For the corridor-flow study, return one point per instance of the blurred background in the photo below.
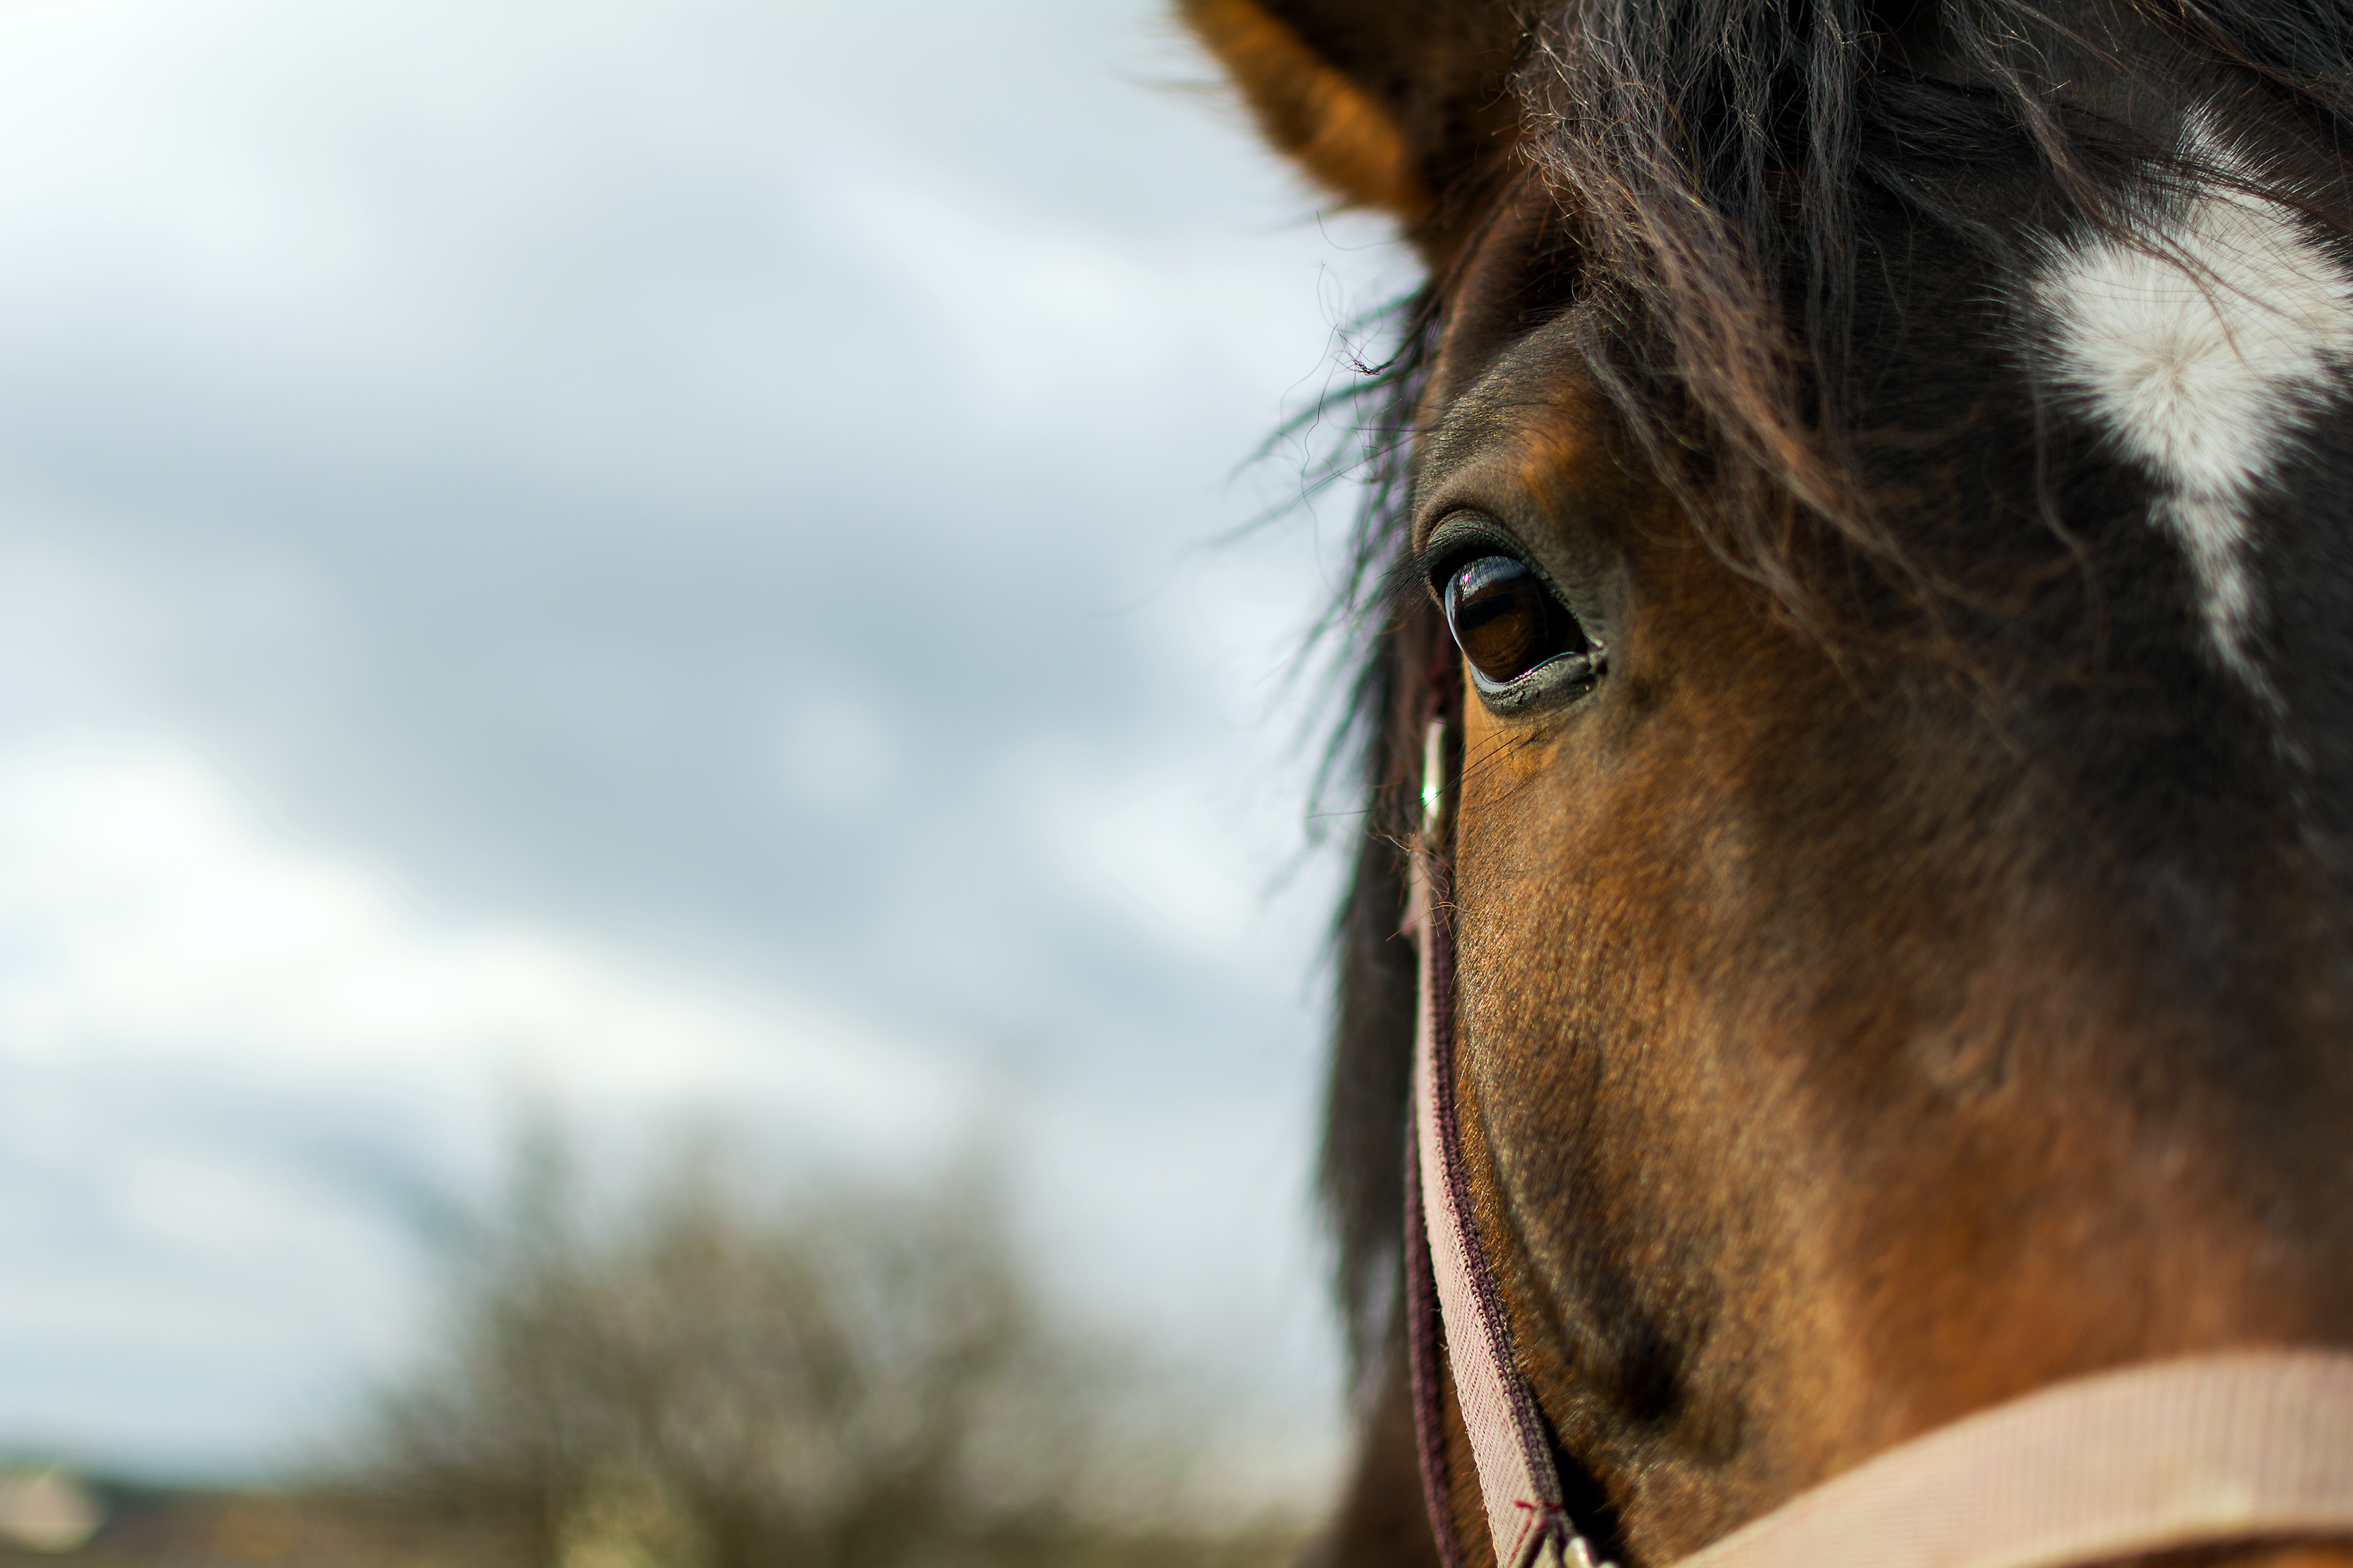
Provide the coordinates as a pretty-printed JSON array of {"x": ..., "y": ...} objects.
[{"x": 627, "y": 628}]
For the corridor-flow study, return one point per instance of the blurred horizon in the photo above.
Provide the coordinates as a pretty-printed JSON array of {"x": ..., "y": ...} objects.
[{"x": 680, "y": 565}]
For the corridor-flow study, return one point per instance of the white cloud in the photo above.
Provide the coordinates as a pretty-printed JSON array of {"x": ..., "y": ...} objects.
[
  {"x": 146, "y": 916},
  {"x": 164, "y": 960},
  {"x": 469, "y": 424}
]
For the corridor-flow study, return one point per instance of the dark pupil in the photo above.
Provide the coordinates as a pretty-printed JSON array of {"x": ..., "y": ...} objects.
[{"x": 1506, "y": 622}]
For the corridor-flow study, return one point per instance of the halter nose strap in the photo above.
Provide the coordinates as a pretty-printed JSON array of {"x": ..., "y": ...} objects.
[{"x": 1447, "y": 1275}]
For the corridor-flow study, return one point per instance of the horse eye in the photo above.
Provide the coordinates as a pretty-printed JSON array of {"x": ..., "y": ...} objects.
[{"x": 1506, "y": 622}]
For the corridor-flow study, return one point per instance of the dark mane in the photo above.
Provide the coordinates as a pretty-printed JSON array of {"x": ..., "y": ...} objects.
[
  {"x": 1714, "y": 169},
  {"x": 1361, "y": 1167}
]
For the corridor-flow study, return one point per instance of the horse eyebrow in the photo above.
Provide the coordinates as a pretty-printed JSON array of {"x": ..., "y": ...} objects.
[{"x": 1478, "y": 416}]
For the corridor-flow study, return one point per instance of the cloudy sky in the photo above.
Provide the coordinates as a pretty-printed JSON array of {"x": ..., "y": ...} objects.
[{"x": 656, "y": 557}]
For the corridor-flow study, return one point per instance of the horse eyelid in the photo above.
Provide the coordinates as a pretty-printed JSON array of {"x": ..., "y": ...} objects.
[
  {"x": 1587, "y": 668},
  {"x": 1458, "y": 538},
  {"x": 1465, "y": 535}
]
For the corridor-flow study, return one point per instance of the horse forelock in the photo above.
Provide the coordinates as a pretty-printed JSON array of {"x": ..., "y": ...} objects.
[{"x": 2131, "y": 349}]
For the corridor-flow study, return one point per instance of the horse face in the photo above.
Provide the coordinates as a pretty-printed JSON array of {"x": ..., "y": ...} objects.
[
  {"x": 1876, "y": 1006},
  {"x": 1702, "y": 911}
]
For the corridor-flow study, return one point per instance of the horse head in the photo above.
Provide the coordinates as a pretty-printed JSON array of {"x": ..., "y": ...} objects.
[{"x": 1876, "y": 531}]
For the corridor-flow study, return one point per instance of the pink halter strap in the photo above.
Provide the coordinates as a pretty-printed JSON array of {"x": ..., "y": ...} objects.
[
  {"x": 2237, "y": 1448},
  {"x": 2241, "y": 1446},
  {"x": 1444, "y": 1260}
]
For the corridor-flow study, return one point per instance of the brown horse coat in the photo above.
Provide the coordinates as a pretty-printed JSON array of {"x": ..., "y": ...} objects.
[{"x": 1917, "y": 970}]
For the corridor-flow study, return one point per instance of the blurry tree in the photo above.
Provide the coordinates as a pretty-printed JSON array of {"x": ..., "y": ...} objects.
[{"x": 858, "y": 1379}]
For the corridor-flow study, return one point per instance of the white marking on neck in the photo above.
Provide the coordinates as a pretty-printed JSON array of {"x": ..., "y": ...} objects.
[{"x": 2204, "y": 350}]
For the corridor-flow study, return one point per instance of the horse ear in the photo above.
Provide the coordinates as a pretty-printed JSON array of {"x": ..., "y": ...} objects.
[{"x": 1390, "y": 103}]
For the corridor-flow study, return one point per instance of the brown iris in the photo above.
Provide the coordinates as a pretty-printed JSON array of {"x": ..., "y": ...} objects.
[{"x": 1504, "y": 620}]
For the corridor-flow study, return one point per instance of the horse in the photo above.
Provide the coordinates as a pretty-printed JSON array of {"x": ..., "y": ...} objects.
[{"x": 1857, "y": 625}]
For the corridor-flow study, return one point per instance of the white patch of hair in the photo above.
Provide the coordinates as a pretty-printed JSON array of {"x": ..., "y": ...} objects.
[{"x": 2204, "y": 350}]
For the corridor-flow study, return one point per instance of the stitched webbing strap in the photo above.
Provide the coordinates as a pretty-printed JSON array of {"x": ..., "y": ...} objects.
[
  {"x": 1517, "y": 1480},
  {"x": 2237, "y": 1448}
]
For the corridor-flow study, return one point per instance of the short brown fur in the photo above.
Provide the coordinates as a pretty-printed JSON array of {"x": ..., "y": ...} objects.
[{"x": 1914, "y": 973}]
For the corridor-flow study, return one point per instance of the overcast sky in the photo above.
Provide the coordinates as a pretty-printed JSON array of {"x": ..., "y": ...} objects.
[{"x": 656, "y": 556}]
